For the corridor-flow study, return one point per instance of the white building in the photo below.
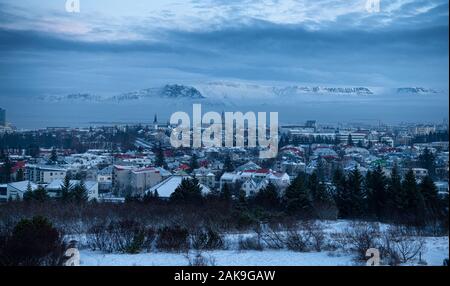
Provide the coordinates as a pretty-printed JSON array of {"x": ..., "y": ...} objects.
[
  {"x": 54, "y": 188},
  {"x": 44, "y": 174},
  {"x": 17, "y": 189},
  {"x": 168, "y": 186}
]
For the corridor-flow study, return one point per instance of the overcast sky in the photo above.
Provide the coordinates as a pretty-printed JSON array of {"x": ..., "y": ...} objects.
[{"x": 114, "y": 45}]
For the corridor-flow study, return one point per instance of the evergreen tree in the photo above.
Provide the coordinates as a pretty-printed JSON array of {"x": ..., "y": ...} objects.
[
  {"x": 323, "y": 202},
  {"x": 194, "y": 162},
  {"x": 225, "y": 193},
  {"x": 160, "y": 159},
  {"x": 53, "y": 157},
  {"x": 40, "y": 195},
  {"x": 427, "y": 161},
  {"x": 189, "y": 191},
  {"x": 415, "y": 204},
  {"x": 20, "y": 175},
  {"x": 6, "y": 170},
  {"x": 396, "y": 195},
  {"x": 79, "y": 193},
  {"x": 431, "y": 198},
  {"x": 342, "y": 194},
  {"x": 66, "y": 189},
  {"x": 268, "y": 197},
  {"x": 298, "y": 197},
  {"x": 356, "y": 203},
  {"x": 376, "y": 190},
  {"x": 350, "y": 140}
]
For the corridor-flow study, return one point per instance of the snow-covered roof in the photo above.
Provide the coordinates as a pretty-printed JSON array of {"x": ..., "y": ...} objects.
[
  {"x": 22, "y": 186},
  {"x": 168, "y": 186},
  {"x": 55, "y": 185}
]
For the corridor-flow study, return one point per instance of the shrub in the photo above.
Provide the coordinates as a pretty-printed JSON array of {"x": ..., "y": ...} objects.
[
  {"x": 361, "y": 236},
  {"x": 128, "y": 236},
  {"x": 172, "y": 239},
  {"x": 200, "y": 260},
  {"x": 401, "y": 245},
  {"x": 33, "y": 242},
  {"x": 207, "y": 239},
  {"x": 250, "y": 243}
]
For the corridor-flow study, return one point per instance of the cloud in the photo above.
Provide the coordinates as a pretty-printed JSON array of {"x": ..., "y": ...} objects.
[{"x": 323, "y": 41}]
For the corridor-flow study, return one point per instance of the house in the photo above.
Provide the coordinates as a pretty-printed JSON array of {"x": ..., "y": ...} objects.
[
  {"x": 130, "y": 180},
  {"x": 54, "y": 188},
  {"x": 168, "y": 186},
  {"x": 252, "y": 181},
  {"x": 44, "y": 174},
  {"x": 206, "y": 177},
  {"x": 17, "y": 189}
]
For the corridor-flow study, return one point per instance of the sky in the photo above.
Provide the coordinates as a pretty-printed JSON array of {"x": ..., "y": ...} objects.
[{"x": 117, "y": 46}]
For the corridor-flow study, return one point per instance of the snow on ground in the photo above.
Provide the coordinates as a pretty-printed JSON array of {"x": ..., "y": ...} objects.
[
  {"x": 437, "y": 249},
  {"x": 220, "y": 257}
]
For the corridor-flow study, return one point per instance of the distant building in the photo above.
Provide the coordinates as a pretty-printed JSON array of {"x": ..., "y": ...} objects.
[
  {"x": 2, "y": 117},
  {"x": 44, "y": 174},
  {"x": 54, "y": 188},
  {"x": 16, "y": 190},
  {"x": 130, "y": 180}
]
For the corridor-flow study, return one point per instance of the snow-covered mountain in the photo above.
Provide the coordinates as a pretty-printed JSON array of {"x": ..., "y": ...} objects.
[
  {"x": 226, "y": 93},
  {"x": 416, "y": 90}
]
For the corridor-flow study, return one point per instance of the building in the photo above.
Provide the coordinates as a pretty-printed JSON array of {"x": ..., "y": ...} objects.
[
  {"x": 16, "y": 190},
  {"x": 44, "y": 174},
  {"x": 168, "y": 186},
  {"x": 2, "y": 117},
  {"x": 130, "y": 180},
  {"x": 54, "y": 188}
]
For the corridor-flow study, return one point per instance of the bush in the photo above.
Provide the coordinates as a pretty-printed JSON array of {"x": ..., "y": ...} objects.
[
  {"x": 250, "y": 243},
  {"x": 361, "y": 236},
  {"x": 207, "y": 239},
  {"x": 200, "y": 260},
  {"x": 33, "y": 242},
  {"x": 128, "y": 236},
  {"x": 401, "y": 245},
  {"x": 298, "y": 240},
  {"x": 172, "y": 239}
]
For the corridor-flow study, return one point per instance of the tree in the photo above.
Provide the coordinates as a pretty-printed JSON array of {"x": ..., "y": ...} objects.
[
  {"x": 323, "y": 203},
  {"x": 350, "y": 140},
  {"x": 160, "y": 160},
  {"x": 33, "y": 242},
  {"x": 396, "y": 195},
  {"x": 225, "y": 193},
  {"x": 415, "y": 204},
  {"x": 298, "y": 197},
  {"x": 189, "y": 191},
  {"x": 427, "y": 161},
  {"x": 53, "y": 157},
  {"x": 376, "y": 186},
  {"x": 356, "y": 203},
  {"x": 228, "y": 164},
  {"x": 430, "y": 196},
  {"x": 342, "y": 195},
  {"x": 20, "y": 176},
  {"x": 6, "y": 170},
  {"x": 79, "y": 193},
  {"x": 268, "y": 197},
  {"x": 194, "y": 162},
  {"x": 39, "y": 195},
  {"x": 66, "y": 189}
]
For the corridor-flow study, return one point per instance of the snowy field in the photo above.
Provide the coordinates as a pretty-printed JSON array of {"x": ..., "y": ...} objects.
[{"x": 436, "y": 250}]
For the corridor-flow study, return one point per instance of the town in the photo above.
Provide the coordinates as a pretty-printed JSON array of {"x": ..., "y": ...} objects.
[
  {"x": 116, "y": 163},
  {"x": 395, "y": 174}
]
